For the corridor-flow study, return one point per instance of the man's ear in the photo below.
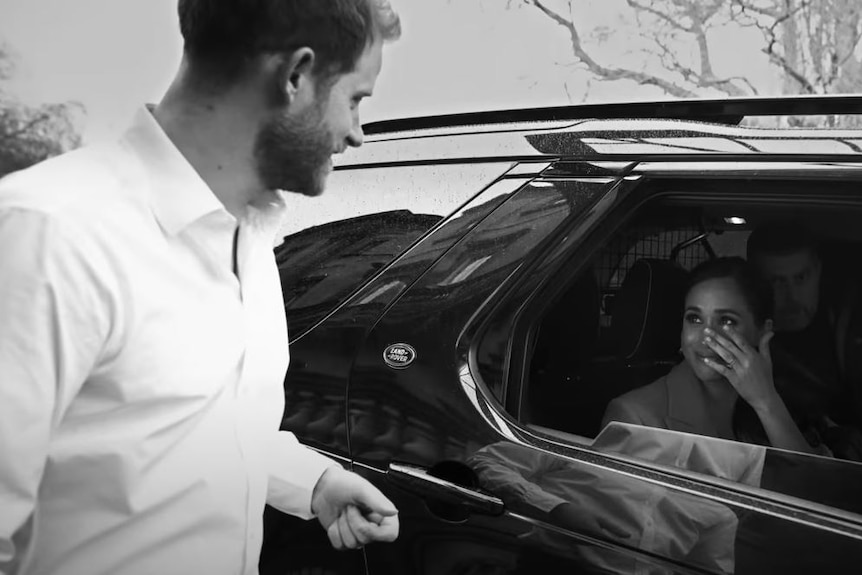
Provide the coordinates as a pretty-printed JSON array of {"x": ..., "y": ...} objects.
[
  {"x": 767, "y": 326},
  {"x": 295, "y": 74}
]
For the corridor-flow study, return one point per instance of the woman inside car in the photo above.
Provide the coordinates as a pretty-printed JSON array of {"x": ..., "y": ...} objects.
[{"x": 724, "y": 386}]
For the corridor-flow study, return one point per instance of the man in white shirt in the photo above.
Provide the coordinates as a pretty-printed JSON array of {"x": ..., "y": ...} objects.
[{"x": 143, "y": 342}]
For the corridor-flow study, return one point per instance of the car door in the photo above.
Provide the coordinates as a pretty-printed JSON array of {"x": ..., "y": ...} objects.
[
  {"x": 338, "y": 276},
  {"x": 478, "y": 492},
  {"x": 420, "y": 430}
]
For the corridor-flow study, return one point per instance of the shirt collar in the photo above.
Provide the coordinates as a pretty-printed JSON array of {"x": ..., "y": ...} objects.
[{"x": 178, "y": 194}]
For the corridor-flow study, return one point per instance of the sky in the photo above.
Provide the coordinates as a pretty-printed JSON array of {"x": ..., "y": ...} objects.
[{"x": 454, "y": 56}]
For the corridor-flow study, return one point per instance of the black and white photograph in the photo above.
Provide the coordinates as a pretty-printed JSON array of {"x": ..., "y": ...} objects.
[{"x": 431, "y": 287}]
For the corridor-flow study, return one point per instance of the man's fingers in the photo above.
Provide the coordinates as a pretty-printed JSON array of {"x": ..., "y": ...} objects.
[
  {"x": 387, "y": 530},
  {"x": 352, "y": 529},
  {"x": 361, "y": 526},
  {"x": 346, "y": 522},
  {"x": 367, "y": 531},
  {"x": 353, "y": 511},
  {"x": 372, "y": 501},
  {"x": 334, "y": 533},
  {"x": 362, "y": 530},
  {"x": 374, "y": 517}
]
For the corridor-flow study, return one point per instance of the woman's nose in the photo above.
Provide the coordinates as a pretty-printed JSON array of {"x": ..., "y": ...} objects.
[{"x": 701, "y": 331}]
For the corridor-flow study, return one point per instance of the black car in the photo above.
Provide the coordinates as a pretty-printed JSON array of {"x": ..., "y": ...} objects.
[{"x": 472, "y": 291}]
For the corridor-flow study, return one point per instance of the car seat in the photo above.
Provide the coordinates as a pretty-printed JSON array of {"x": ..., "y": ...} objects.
[
  {"x": 564, "y": 346},
  {"x": 647, "y": 313},
  {"x": 645, "y": 328}
]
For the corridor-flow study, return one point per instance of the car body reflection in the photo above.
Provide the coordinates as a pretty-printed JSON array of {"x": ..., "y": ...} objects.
[{"x": 626, "y": 510}]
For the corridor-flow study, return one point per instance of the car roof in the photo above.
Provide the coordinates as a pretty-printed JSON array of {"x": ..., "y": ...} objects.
[
  {"x": 729, "y": 111},
  {"x": 613, "y": 131}
]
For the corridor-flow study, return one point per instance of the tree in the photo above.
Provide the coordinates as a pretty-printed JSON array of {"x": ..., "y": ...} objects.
[
  {"x": 814, "y": 45},
  {"x": 30, "y": 134},
  {"x": 670, "y": 36}
]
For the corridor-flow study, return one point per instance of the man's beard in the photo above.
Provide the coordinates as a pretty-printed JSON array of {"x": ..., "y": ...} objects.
[
  {"x": 794, "y": 319},
  {"x": 294, "y": 154}
]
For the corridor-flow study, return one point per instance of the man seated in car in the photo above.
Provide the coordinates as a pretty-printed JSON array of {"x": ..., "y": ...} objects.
[{"x": 813, "y": 349}]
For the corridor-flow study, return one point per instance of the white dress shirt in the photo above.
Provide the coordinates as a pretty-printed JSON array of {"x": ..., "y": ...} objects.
[{"x": 140, "y": 378}]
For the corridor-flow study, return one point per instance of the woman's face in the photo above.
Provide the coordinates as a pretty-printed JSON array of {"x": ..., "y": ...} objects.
[{"x": 719, "y": 305}]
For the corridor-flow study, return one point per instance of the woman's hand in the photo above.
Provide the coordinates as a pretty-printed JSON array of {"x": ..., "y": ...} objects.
[{"x": 748, "y": 370}]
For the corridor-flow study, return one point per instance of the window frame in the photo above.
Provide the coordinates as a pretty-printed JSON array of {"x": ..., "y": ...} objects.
[
  {"x": 539, "y": 285},
  {"x": 466, "y": 181}
]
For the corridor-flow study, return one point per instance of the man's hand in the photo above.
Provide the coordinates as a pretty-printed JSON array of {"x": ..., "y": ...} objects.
[{"x": 352, "y": 511}]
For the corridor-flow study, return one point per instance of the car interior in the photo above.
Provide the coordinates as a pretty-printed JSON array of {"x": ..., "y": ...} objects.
[{"x": 616, "y": 325}]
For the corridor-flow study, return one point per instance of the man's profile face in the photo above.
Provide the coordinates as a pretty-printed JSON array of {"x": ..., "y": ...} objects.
[
  {"x": 294, "y": 149},
  {"x": 795, "y": 281}
]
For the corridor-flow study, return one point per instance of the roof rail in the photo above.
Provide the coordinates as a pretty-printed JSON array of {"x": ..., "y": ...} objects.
[{"x": 729, "y": 111}]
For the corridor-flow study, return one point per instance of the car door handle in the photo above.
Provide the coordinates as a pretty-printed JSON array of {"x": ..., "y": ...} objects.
[{"x": 419, "y": 481}]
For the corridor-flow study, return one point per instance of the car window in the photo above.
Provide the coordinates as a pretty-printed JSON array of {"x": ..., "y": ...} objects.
[
  {"x": 613, "y": 331},
  {"x": 331, "y": 245}
]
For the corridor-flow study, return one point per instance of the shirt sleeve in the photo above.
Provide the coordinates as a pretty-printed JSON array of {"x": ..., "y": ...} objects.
[
  {"x": 516, "y": 474},
  {"x": 294, "y": 471},
  {"x": 50, "y": 337}
]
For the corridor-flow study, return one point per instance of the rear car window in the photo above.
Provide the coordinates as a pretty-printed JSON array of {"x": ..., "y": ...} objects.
[{"x": 334, "y": 243}]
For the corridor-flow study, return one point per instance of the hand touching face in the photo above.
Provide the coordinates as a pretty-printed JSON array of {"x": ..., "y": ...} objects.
[
  {"x": 746, "y": 368},
  {"x": 717, "y": 305}
]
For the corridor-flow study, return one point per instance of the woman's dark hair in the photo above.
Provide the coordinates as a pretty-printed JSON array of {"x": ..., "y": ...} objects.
[
  {"x": 758, "y": 297},
  {"x": 756, "y": 292},
  {"x": 220, "y": 36}
]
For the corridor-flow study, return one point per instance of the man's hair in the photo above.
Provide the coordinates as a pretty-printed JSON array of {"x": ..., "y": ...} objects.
[
  {"x": 220, "y": 36},
  {"x": 781, "y": 238},
  {"x": 756, "y": 292}
]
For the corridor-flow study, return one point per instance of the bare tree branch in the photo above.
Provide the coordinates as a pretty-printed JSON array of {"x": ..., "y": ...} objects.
[
  {"x": 813, "y": 43},
  {"x": 779, "y": 17},
  {"x": 698, "y": 14},
  {"x": 790, "y": 71},
  {"x": 671, "y": 62},
  {"x": 607, "y": 73},
  {"x": 746, "y": 6},
  {"x": 658, "y": 14}
]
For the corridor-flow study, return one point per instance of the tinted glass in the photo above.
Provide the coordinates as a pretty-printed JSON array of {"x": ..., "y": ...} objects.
[
  {"x": 367, "y": 217},
  {"x": 606, "y": 366}
]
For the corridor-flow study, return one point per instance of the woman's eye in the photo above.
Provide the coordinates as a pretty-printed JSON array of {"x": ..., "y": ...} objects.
[
  {"x": 692, "y": 318},
  {"x": 728, "y": 321}
]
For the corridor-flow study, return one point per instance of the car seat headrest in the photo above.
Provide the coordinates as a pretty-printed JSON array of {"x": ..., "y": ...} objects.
[
  {"x": 647, "y": 311},
  {"x": 571, "y": 330}
]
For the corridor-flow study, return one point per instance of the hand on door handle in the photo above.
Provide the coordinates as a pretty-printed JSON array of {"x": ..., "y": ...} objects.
[{"x": 432, "y": 488}]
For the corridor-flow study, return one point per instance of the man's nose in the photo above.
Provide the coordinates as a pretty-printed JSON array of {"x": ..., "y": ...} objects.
[
  {"x": 783, "y": 293},
  {"x": 356, "y": 136}
]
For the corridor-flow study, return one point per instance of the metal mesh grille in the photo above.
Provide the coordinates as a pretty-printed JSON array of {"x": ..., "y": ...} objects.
[{"x": 622, "y": 252}]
